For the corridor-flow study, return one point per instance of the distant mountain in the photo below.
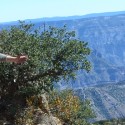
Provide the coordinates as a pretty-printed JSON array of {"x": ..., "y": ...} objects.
[
  {"x": 45, "y": 19},
  {"x": 74, "y": 17}
]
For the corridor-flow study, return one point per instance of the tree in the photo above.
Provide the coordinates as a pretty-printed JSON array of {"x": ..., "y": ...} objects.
[{"x": 53, "y": 54}]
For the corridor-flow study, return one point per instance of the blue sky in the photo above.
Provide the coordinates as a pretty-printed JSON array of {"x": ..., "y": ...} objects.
[{"x": 13, "y": 10}]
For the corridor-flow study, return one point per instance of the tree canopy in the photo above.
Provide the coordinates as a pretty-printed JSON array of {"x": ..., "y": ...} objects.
[{"x": 54, "y": 54}]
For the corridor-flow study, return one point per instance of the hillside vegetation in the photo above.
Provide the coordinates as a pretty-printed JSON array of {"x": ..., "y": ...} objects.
[{"x": 108, "y": 101}]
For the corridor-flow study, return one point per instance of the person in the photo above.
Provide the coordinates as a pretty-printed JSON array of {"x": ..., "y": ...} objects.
[{"x": 16, "y": 59}]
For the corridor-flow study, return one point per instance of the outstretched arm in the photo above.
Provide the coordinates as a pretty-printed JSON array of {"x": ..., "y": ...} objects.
[{"x": 15, "y": 59}]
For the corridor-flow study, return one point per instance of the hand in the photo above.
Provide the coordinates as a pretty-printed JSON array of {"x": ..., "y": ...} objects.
[{"x": 21, "y": 59}]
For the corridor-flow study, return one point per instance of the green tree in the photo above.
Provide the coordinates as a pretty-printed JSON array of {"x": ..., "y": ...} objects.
[{"x": 53, "y": 54}]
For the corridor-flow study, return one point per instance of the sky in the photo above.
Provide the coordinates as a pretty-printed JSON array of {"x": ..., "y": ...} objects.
[{"x": 13, "y": 10}]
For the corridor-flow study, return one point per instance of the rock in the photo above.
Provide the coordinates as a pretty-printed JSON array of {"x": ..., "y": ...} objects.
[
  {"x": 43, "y": 115},
  {"x": 41, "y": 118}
]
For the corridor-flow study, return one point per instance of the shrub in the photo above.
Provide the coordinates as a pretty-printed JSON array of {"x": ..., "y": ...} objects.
[{"x": 69, "y": 108}]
